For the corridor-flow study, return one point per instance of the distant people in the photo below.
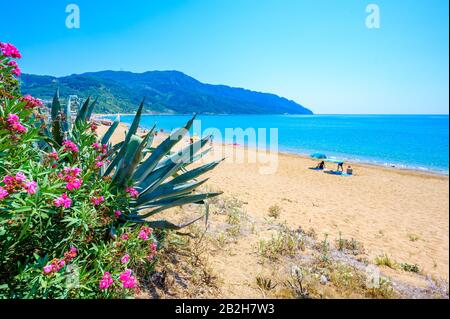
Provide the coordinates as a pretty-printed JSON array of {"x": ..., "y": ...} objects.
[
  {"x": 320, "y": 165},
  {"x": 340, "y": 167},
  {"x": 349, "y": 170},
  {"x": 191, "y": 140}
]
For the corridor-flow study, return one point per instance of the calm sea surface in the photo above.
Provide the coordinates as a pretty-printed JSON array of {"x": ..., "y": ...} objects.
[{"x": 408, "y": 141}]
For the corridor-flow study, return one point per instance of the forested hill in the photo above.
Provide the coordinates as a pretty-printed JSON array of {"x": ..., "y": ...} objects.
[{"x": 165, "y": 92}]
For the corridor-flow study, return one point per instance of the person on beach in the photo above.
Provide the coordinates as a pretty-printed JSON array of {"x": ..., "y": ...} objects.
[
  {"x": 320, "y": 165},
  {"x": 340, "y": 167},
  {"x": 349, "y": 170}
]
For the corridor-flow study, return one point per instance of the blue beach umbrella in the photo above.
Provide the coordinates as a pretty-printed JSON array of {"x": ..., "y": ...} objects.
[{"x": 318, "y": 155}]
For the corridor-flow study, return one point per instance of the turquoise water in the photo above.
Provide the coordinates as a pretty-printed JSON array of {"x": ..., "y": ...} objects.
[{"x": 407, "y": 141}]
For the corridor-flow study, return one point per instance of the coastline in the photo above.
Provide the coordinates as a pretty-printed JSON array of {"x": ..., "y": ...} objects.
[{"x": 351, "y": 161}]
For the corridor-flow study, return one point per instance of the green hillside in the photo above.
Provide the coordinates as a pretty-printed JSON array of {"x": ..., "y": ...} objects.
[{"x": 164, "y": 91}]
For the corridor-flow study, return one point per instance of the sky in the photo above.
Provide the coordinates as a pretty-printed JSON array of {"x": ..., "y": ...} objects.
[{"x": 319, "y": 53}]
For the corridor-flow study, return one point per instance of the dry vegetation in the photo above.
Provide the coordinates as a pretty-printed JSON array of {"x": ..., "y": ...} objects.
[{"x": 288, "y": 263}]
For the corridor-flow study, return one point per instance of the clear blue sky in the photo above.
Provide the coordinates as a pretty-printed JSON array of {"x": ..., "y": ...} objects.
[{"x": 319, "y": 53}]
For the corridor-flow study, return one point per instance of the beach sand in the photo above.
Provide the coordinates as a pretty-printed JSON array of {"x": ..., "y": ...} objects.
[{"x": 403, "y": 214}]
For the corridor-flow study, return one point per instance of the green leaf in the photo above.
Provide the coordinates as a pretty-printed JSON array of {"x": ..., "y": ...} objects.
[
  {"x": 147, "y": 167},
  {"x": 110, "y": 131},
  {"x": 133, "y": 129}
]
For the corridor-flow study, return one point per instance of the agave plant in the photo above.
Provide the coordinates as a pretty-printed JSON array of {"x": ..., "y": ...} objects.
[{"x": 159, "y": 174}]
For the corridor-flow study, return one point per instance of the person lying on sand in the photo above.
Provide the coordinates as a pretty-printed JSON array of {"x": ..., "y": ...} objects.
[{"x": 320, "y": 165}]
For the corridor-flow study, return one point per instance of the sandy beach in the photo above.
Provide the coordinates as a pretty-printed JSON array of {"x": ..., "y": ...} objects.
[{"x": 403, "y": 214}]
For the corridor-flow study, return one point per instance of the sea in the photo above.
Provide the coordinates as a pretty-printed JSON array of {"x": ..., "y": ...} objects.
[{"x": 416, "y": 142}]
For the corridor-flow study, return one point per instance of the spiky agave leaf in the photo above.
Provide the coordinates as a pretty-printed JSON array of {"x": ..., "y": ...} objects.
[
  {"x": 110, "y": 131},
  {"x": 133, "y": 129},
  {"x": 147, "y": 167}
]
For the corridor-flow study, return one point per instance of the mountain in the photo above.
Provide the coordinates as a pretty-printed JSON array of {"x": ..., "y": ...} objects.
[{"x": 164, "y": 92}]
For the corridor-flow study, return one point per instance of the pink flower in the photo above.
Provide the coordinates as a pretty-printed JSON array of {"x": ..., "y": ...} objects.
[
  {"x": 31, "y": 187},
  {"x": 19, "y": 128},
  {"x": 130, "y": 283},
  {"x": 96, "y": 146},
  {"x": 8, "y": 180},
  {"x": 118, "y": 213},
  {"x": 20, "y": 177},
  {"x": 31, "y": 102},
  {"x": 54, "y": 266},
  {"x": 70, "y": 146},
  {"x": 124, "y": 236},
  {"x": 125, "y": 275},
  {"x": 54, "y": 155},
  {"x": 132, "y": 191},
  {"x": 71, "y": 254},
  {"x": 127, "y": 280},
  {"x": 12, "y": 118},
  {"x": 48, "y": 269},
  {"x": 125, "y": 259},
  {"x": 97, "y": 200},
  {"x": 74, "y": 184},
  {"x": 106, "y": 281},
  {"x": 3, "y": 193},
  {"x": 143, "y": 235},
  {"x": 16, "y": 70},
  {"x": 99, "y": 164},
  {"x": 63, "y": 200},
  {"x": 9, "y": 50}
]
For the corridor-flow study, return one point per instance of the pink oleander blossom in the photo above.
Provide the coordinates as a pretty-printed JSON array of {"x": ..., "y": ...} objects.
[
  {"x": 9, "y": 50},
  {"x": 125, "y": 236},
  {"x": 127, "y": 279},
  {"x": 31, "y": 102},
  {"x": 12, "y": 118},
  {"x": 31, "y": 187},
  {"x": 16, "y": 70},
  {"x": 106, "y": 281},
  {"x": 125, "y": 259},
  {"x": 74, "y": 184},
  {"x": 132, "y": 191},
  {"x": 130, "y": 283},
  {"x": 63, "y": 200},
  {"x": 99, "y": 164},
  {"x": 3, "y": 193},
  {"x": 48, "y": 269},
  {"x": 20, "y": 177},
  {"x": 143, "y": 235},
  {"x": 70, "y": 146},
  {"x": 54, "y": 155},
  {"x": 117, "y": 213},
  {"x": 19, "y": 128},
  {"x": 97, "y": 200},
  {"x": 54, "y": 266}
]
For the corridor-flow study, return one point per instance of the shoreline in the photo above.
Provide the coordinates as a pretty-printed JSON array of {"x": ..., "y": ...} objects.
[{"x": 352, "y": 162}]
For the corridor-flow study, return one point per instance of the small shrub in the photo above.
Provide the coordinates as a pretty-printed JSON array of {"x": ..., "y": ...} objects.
[
  {"x": 413, "y": 237},
  {"x": 285, "y": 243},
  {"x": 410, "y": 267},
  {"x": 274, "y": 211},
  {"x": 352, "y": 245},
  {"x": 265, "y": 284},
  {"x": 384, "y": 260}
]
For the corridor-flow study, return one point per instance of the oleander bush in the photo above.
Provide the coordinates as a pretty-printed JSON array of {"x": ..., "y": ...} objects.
[{"x": 78, "y": 214}]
